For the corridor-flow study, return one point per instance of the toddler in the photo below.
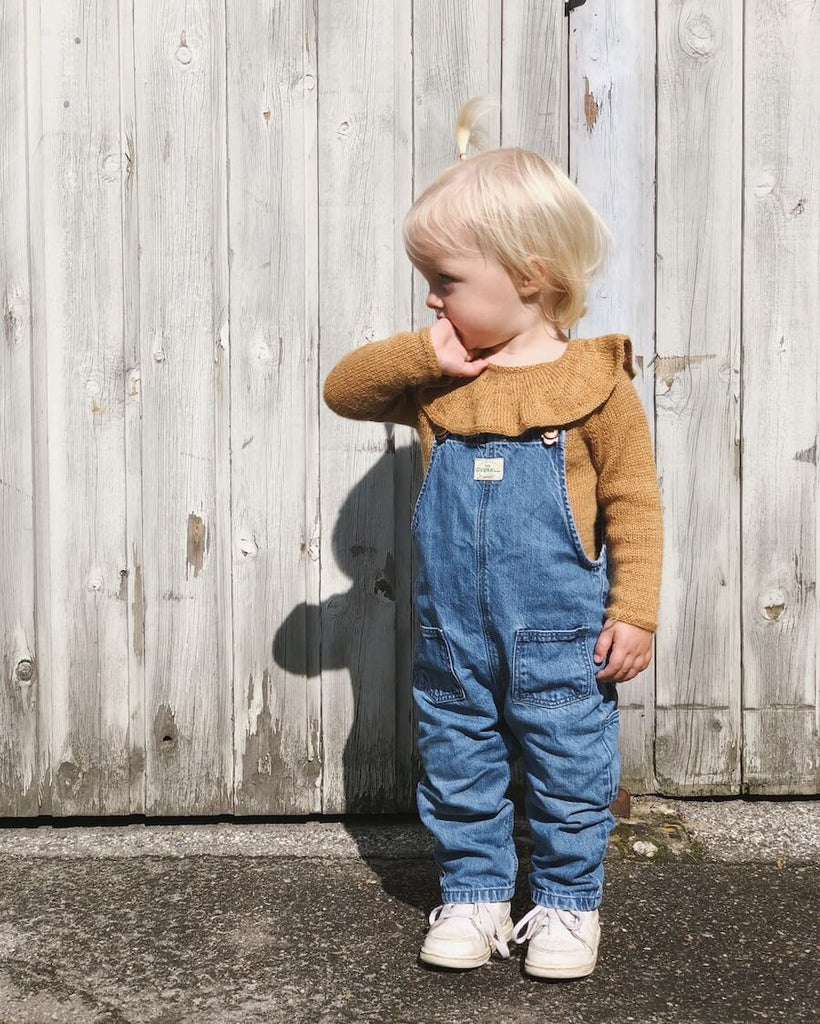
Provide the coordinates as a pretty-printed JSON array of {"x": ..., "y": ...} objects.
[{"x": 538, "y": 535}]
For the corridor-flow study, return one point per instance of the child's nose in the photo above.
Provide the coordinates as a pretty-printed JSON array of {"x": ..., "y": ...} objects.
[{"x": 433, "y": 302}]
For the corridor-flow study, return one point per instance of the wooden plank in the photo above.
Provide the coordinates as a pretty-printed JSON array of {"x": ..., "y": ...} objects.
[
  {"x": 535, "y": 80},
  {"x": 19, "y": 650},
  {"x": 612, "y": 154},
  {"x": 137, "y": 729},
  {"x": 38, "y": 442},
  {"x": 274, "y": 406},
  {"x": 80, "y": 478},
  {"x": 179, "y": 57},
  {"x": 405, "y": 448},
  {"x": 364, "y": 170},
  {"x": 699, "y": 151},
  {"x": 781, "y": 311}
]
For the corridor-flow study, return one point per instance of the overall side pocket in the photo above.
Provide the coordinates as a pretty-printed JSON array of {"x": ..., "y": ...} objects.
[
  {"x": 433, "y": 673},
  {"x": 610, "y": 736}
]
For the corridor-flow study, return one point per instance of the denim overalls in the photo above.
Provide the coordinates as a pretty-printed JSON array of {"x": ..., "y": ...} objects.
[{"x": 509, "y": 610}]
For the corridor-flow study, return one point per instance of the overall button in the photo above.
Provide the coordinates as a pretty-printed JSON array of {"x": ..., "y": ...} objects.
[{"x": 549, "y": 436}]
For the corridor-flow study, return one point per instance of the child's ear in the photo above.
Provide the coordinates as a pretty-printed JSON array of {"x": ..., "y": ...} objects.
[{"x": 528, "y": 286}]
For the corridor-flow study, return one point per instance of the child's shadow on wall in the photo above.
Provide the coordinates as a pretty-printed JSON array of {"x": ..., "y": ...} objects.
[
  {"x": 366, "y": 639},
  {"x": 366, "y": 643}
]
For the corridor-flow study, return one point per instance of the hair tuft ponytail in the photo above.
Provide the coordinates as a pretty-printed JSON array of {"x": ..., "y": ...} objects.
[{"x": 467, "y": 128}]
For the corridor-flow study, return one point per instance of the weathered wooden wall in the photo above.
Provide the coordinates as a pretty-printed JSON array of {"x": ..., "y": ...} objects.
[{"x": 205, "y": 575}]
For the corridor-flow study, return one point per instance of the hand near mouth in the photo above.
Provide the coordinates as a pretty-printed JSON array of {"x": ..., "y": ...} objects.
[{"x": 453, "y": 358}]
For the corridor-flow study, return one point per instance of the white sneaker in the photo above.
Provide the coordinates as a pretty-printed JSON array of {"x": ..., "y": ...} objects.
[
  {"x": 465, "y": 934},
  {"x": 563, "y": 943}
]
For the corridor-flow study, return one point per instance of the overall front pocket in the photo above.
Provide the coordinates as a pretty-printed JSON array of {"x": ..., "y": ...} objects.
[
  {"x": 551, "y": 666},
  {"x": 433, "y": 671}
]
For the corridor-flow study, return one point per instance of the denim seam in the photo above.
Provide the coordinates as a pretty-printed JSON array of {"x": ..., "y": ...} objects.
[
  {"x": 481, "y": 578},
  {"x": 433, "y": 450},
  {"x": 561, "y": 474},
  {"x": 614, "y": 783},
  {"x": 583, "y": 901},
  {"x": 499, "y": 894}
]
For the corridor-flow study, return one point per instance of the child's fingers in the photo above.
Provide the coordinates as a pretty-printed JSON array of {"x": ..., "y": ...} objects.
[{"x": 473, "y": 368}]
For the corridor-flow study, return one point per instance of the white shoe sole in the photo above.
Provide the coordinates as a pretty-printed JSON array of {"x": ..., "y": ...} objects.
[
  {"x": 560, "y": 970},
  {"x": 461, "y": 963},
  {"x": 439, "y": 960},
  {"x": 579, "y": 969}
]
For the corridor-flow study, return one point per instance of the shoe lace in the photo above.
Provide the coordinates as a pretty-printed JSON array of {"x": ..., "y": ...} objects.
[
  {"x": 485, "y": 920},
  {"x": 544, "y": 917}
]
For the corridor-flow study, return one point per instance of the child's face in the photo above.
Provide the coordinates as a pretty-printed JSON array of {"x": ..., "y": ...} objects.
[{"x": 479, "y": 298}]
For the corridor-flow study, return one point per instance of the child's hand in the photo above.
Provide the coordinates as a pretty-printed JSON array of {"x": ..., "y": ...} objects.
[
  {"x": 631, "y": 650},
  {"x": 453, "y": 357}
]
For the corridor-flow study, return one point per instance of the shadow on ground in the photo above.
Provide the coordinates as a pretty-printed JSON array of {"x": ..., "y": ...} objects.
[{"x": 207, "y": 939}]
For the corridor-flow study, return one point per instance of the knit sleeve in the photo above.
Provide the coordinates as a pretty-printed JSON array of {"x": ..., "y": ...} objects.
[
  {"x": 377, "y": 381},
  {"x": 629, "y": 497}
]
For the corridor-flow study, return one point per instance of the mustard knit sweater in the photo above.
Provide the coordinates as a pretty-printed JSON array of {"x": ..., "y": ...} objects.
[{"x": 610, "y": 467}]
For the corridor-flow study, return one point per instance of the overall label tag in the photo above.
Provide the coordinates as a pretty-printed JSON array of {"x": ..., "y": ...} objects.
[{"x": 488, "y": 469}]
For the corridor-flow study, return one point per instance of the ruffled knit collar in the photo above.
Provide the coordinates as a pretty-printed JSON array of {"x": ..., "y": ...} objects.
[{"x": 511, "y": 399}]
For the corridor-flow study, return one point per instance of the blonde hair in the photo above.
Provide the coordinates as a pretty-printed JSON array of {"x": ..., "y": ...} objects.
[{"x": 516, "y": 207}]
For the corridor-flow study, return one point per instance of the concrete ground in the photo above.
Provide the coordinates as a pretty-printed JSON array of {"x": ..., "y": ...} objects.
[{"x": 710, "y": 916}]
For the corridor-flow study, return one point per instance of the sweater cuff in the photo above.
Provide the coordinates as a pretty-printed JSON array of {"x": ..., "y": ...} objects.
[
  {"x": 421, "y": 357},
  {"x": 633, "y": 616}
]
